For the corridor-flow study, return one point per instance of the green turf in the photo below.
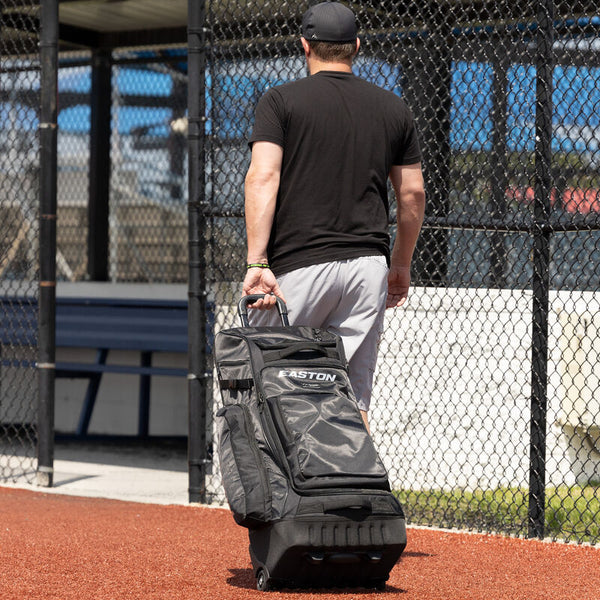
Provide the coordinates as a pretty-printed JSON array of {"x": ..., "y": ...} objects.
[{"x": 572, "y": 512}]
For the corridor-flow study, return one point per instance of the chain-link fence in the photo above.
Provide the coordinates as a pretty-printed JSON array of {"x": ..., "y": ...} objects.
[
  {"x": 19, "y": 232},
  {"x": 145, "y": 93},
  {"x": 121, "y": 211},
  {"x": 486, "y": 403}
]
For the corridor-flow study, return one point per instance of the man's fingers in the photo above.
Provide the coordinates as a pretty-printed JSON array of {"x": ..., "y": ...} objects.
[
  {"x": 269, "y": 301},
  {"x": 277, "y": 292},
  {"x": 395, "y": 300},
  {"x": 265, "y": 303}
]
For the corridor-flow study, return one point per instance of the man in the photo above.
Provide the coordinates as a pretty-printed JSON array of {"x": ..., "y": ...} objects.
[{"x": 316, "y": 201}]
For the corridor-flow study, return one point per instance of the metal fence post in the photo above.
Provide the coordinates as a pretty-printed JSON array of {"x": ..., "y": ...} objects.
[
  {"x": 47, "y": 246},
  {"x": 427, "y": 87},
  {"x": 197, "y": 451},
  {"x": 99, "y": 178},
  {"x": 499, "y": 172},
  {"x": 541, "y": 264}
]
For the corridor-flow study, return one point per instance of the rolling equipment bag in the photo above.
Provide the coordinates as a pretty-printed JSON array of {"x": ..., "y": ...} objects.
[{"x": 299, "y": 468}]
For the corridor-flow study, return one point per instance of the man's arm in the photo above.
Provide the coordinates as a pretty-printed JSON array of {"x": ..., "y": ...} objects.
[
  {"x": 410, "y": 196},
  {"x": 261, "y": 186}
]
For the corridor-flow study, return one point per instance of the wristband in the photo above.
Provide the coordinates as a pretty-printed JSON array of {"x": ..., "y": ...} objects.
[{"x": 259, "y": 265}]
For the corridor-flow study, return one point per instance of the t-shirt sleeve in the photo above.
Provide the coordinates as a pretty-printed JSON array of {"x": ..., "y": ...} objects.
[
  {"x": 408, "y": 150},
  {"x": 269, "y": 120}
]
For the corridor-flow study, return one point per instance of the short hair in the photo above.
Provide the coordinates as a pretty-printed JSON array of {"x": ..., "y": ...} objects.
[{"x": 333, "y": 52}]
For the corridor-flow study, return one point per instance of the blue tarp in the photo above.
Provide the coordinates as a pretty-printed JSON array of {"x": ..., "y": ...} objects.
[{"x": 233, "y": 90}]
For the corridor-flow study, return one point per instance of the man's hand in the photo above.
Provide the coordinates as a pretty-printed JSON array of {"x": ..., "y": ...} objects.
[
  {"x": 398, "y": 284},
  {"x": 259, "y": 280},
  {"x": 410, "y": 196}
]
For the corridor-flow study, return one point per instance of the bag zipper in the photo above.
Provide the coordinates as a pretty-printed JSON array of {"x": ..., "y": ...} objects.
[{"x": 264, "y": 480}]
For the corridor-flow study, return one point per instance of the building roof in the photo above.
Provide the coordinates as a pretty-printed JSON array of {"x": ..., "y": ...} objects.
[{"x": 128, "y": 23}]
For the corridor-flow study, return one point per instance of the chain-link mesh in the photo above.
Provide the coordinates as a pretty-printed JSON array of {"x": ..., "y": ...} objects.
[
  {"x": 147, "y": 230},
  {"x": 485, "y": 406},
  {"x": 149, "y": 171},
  {"x": 73, "y": 166},
  {"x": 19, "y": 172}
]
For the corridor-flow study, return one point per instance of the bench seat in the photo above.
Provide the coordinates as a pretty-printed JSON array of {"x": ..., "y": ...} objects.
[{"x": 103, "y": 324}]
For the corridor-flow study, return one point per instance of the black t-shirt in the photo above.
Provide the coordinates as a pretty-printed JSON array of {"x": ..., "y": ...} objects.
[{"x": 340, "y": 136}]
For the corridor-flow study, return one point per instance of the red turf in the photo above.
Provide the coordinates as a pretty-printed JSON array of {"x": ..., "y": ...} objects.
[{"x": 56, "y": 547}]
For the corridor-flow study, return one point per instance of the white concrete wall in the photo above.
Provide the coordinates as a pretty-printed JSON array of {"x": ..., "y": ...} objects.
[
  {"x": 451, "y": 402},
  {"x": 116, "y": 408},
  {"x": 452, "y": 395}
]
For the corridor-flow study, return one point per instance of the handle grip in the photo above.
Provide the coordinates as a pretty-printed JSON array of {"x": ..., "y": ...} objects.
[
  {"x": 329, "y": 351},
  {"x": 243, "y": 308},
  {"x": 347, "y": 503}
]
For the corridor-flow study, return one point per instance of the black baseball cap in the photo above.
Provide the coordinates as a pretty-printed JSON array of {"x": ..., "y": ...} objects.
[{"x": 329, "y": 22}]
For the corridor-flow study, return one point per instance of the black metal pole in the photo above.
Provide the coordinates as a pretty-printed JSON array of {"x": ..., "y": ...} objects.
[
  {"x": 197, "y": 379},
  {"x": 426, "y": 86},
  {"x": 499, "y": 171},
  {"x": 47, "y": 249},
  {"x": 176, "y": 142},
  {"x": 99, "y": 178},
  {"x": 541, "y": 267}
]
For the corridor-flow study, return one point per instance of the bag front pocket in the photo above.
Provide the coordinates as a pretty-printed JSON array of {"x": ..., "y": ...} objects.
[
  {"x": 325, "y": 441},
  {"x": 243, "y": 471}
]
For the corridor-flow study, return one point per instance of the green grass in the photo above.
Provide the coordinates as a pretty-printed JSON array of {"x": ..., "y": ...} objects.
[{"x": 572, "y": 512}]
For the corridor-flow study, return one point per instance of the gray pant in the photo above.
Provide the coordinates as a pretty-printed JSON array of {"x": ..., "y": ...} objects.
[{"x": 346, "y": 297}]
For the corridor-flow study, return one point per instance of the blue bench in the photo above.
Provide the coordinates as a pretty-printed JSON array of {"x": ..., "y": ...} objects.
[{"x": 103, "y": 324}]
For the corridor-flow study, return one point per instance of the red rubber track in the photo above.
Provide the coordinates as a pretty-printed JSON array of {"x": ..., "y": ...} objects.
[{"x": 55, "y": 547}]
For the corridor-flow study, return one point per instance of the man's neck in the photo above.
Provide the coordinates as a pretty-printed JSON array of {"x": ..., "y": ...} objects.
[{"x": 315, "y": 66}]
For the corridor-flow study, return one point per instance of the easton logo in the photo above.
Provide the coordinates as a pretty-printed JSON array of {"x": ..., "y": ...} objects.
[{"x": 314, "y": 375}]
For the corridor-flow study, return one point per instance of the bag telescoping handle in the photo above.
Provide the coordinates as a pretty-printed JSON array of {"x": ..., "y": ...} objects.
[{"x": 243, "y": 308}]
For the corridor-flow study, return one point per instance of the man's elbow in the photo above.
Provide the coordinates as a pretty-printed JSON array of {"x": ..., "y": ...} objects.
[
  {"x": 261, "y": 179},
  {"x": 413, "y": 197}
]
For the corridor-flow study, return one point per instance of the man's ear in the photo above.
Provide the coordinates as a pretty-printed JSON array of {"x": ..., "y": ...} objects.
[
  {"x": 357, "y": 46},
  {"x": 305, "y": 45}
]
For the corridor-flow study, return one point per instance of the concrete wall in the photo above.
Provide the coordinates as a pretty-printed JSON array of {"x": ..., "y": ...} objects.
[
  {"x": 452, "y": 394},
  {"x": 453, "y": 386}
]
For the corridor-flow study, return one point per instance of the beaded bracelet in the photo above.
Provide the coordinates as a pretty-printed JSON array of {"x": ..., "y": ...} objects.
[{"x": 259, "y": 265}]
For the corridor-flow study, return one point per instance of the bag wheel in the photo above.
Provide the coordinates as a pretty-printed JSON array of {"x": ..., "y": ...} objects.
[{"x": 262, "y": 581}]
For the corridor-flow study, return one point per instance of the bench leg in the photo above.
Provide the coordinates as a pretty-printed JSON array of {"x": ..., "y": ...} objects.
[
  {"x": 144, "y": 407},
  {"x": 90, "y": 396}
]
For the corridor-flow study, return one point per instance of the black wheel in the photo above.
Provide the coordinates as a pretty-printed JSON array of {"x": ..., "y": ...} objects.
[
  {"x": 262, "y": 581},
  {"x": 380, "y": 586}
]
